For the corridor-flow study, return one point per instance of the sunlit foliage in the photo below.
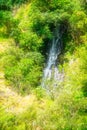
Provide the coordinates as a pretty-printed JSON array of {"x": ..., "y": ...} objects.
[{"x": 31, "y": 24}]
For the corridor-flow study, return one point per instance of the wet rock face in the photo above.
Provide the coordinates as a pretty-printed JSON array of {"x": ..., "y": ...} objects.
[{"x": 51, "y": 70}]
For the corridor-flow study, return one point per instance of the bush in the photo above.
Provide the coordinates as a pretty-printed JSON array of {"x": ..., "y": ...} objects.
[{"x": 23, "y": 71}]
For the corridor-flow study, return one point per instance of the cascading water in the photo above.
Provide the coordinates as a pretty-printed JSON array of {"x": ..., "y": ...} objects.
[{"x": 51, "y": 71}]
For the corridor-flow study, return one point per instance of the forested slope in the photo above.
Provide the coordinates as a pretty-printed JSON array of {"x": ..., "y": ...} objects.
[{"x": 26, "y": 29}]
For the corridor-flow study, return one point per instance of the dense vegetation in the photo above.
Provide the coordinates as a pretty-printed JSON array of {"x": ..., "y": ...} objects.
[{"x": 30, "y": 25}]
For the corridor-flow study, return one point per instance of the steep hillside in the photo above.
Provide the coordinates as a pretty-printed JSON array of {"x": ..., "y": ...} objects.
[{"x": 27, "y": 30}]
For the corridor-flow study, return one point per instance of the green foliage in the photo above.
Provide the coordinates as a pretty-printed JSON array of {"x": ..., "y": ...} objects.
[
  {"x": 36, "y": 27},
  {"x": 7, "y": 4},
  {"x": 65, "y": 112},
  {"x": 5, "y": 23},
  {"x": 23, "y": 70},
  {"x": 32, "y": 28},
  {"x": 7, "y": 120}
]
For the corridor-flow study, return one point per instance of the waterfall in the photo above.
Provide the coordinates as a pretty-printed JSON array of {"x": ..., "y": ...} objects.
[{"x": 51, "y": 70}]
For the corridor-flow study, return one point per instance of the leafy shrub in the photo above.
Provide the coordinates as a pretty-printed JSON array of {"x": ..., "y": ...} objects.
[{"x": 24, "y": 71}]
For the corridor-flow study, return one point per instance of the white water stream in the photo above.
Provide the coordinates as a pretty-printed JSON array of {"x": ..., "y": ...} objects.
[{"x": 51, "y": 70}]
